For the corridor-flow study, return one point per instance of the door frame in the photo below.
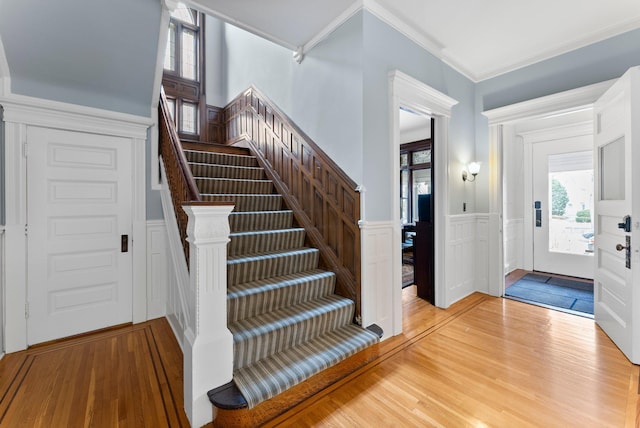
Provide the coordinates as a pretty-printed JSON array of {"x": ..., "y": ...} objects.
[
  {"x": 408, "y": 92},
  {"x": 21, "y": 112},
  {"x": 561, "y": 103},
  {"x": 577, "y": 129}
]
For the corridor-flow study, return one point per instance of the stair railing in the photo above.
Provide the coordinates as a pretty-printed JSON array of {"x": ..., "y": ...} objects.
[
  {"x": 180, "y": 180},
  {"x": 197, "y": 303},
  {"x": 325, "y": 201}
]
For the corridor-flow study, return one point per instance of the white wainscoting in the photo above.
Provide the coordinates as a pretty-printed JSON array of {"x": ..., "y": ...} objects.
[
  {"x": 461, "y": 263},
  {"x": 157, "y": 269},
  {"x": 380, "y": 304},
  {"x": 513, "y": 244}
]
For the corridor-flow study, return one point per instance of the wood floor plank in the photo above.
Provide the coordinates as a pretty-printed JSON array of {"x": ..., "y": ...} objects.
[{"x": 482, "y": 362}]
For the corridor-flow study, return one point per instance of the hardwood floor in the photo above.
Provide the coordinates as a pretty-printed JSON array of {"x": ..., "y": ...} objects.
[{"x": 483, "y": 362}]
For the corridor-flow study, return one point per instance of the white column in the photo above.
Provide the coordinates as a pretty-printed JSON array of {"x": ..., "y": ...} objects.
[{"x": 208, "y": 347}]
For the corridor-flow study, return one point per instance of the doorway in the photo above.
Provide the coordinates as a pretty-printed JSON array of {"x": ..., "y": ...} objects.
[{"x": 416, "y": 210}]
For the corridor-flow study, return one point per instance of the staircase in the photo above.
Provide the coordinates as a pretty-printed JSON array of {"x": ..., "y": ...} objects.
[{"x": 286, "y": 321}]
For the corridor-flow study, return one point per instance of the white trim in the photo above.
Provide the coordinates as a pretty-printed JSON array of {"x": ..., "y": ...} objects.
[
  {"x": 167, "y": 7},
  {"x": 20, "y": 113},
  {"x": 560, "y": 103},
  {"x": 408, "y": 92},
  {"x": 56, "y": 115},
  {"x": 330, "y": 28},
  {"x": 205, "y": 7}
]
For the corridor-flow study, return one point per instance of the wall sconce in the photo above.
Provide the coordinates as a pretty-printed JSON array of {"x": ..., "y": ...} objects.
[{"x": 473, "y": 168}]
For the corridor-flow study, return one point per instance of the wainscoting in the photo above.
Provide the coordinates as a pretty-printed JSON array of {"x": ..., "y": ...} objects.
[
  {"x": 381, "y": 271},
  {"x": 157, "y": 269},
  {"x": 465, "y": 256},
  {"x": 513, "y": 240}
]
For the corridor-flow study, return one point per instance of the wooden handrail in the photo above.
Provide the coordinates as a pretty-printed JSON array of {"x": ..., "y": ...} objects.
[
  {"x": 323, "y": 198},
  {"x": 180, "y": 180}
]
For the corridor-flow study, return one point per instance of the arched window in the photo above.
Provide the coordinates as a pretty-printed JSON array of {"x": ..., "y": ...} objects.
[{"x": 182, "y": 78}]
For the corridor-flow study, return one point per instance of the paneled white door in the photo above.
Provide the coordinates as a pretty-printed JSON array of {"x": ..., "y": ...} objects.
[
  {"x": 78, "y": 214},
  {"x": 617, "y": 185}
]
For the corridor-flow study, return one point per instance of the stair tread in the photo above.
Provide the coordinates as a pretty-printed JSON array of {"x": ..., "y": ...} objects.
[
  {"x": 270, "y": 376},
  {"x": 206, "y": 152},
  {"x": 267, "y": 323},
  {"x": 266, "y": 231},
  {"x": 270, "y": 254},
  {"x": 254, "y": 287}
]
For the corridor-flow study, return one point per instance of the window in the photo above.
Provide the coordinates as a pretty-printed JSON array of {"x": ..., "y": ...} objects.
[
  {"x": 415, "y": 178},
  {"x": 183, "y": 70}
]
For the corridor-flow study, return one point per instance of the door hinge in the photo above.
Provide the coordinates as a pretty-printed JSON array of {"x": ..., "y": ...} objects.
[
  {"x": 26, "y": 229},
  {"x": 26, "y": 310},
  {"x": 24, "y": 149}
]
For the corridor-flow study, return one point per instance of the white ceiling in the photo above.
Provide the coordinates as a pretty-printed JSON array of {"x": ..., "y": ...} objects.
[{"x": 479, "y": 38}]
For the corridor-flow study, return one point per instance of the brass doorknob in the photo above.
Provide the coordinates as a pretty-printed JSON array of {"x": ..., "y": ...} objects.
[{"x": 620, "y": 247}]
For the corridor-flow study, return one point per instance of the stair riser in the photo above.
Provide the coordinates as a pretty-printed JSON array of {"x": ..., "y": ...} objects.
[
  {"x": 286, "y": 293},
  {"x": 241, "y": 222},
  {"x": 231, "y": 172},
  {"x": 248, "y": 350},
  {"x": 265, "y": 242},
  {"x": 247, "y": 203},
  {"x": 213, "y": 185},
  {"x": 261, "y": 268},
  {"x": 220, "y": 159}
]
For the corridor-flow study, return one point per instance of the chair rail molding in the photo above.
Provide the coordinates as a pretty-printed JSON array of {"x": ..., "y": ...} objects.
[{"x": 20, "y": 113}]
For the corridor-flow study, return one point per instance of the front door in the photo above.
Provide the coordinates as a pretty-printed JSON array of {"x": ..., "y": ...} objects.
[
  {"x": 562, "y": 206},
  {"x": 617, "y": 255},
  {"x": 79, "y": 220}
]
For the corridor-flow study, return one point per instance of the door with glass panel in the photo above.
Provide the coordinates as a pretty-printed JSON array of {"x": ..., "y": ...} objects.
[
  {"x": 617, "y": 214},
  {"x": 563, "y": 197}
]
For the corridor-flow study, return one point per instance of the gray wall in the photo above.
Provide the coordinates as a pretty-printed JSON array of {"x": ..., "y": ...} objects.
[
  {"x": 90, "y": 53},
  {"x": 2, "y": 197},
  {"x": 386, "y": 50},
  {"x": 338, "y": 95},
  {"x": 595, "y": 63},
  {"x": 214, "y": 65},
  {"x": 95, "y": 53}
]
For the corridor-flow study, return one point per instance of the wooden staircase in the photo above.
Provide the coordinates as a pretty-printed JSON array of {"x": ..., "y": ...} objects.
[{"x": 292, "y": 335}]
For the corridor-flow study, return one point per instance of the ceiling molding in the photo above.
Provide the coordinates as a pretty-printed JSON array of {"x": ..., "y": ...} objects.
[
  {"x": 571, "y": 45},
  {"x": 562, "y": 102},
  {"x": 332, "y": 26},
  {"x": 197, "y": 4}
]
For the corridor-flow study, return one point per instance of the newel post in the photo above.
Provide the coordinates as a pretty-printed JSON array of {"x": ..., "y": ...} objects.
[{"x": 208, "y": 347}]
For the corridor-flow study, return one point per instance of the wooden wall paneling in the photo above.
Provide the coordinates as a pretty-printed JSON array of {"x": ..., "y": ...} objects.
[{"x": 322, "y": 196}]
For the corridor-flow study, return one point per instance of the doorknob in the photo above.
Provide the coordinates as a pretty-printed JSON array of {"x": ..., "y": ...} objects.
[{"x": 620, "y": 247}]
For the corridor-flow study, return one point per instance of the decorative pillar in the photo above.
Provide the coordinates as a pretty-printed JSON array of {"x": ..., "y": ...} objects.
[{"x": 208, "y": 347}]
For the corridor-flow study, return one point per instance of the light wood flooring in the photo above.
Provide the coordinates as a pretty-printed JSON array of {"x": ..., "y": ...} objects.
[{"x": 483, "y": 362}]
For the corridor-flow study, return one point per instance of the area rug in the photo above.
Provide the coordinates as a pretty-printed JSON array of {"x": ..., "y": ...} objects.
[
  {"x": 556, "y": 292},
  {"x": 407, "y": 275}
]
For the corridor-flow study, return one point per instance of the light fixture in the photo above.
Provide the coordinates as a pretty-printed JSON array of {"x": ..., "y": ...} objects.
[{"x": 473, "y": 168}]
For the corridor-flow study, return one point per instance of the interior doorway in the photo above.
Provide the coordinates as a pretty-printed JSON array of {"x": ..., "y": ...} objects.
[
  {"x": 548, "y": 195},
  {"x": 416, "y": 207}
]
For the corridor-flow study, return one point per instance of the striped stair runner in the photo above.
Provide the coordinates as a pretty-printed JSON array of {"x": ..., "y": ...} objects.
[{"x": 286, "y": 321}]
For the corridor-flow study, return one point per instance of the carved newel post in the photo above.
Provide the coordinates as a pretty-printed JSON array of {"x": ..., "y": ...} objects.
[{"x": 208, "y": 347}]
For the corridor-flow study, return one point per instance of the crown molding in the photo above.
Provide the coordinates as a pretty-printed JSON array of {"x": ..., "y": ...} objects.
[{"x": 331, "y": 27}]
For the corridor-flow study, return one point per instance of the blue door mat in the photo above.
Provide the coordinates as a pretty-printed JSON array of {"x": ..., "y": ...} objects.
[{"x": 553, "y": 292}]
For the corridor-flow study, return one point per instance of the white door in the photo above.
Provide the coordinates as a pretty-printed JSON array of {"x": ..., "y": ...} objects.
[
  {"x": 617, "y": 155},
  {"x": 563, "y": 196},
  {"x": 78, "y": 209}
]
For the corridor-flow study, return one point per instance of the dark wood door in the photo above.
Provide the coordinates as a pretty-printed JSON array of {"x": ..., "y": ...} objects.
[{"x": 423, "y": 261}]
